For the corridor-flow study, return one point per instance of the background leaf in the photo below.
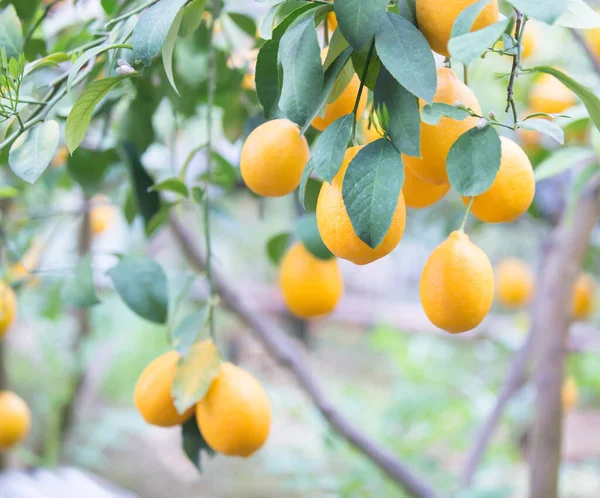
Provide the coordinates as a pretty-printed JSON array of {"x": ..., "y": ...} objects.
[
  {"x": 277, "y": 245},
  {"x": 88, "y": 167},
  {"x": 192, "y": 17},
  {"x": 194, "y": 444},
  {"x": 561, "y": 160},
  {"x": 244, "y": 22},
  {"x": 544, "y": 10},
  {"x": 79, "y": 291},
  {"x": 371, "y": 188},
  {"x": 33, "y": 150},
  {"x": 358, "y": 20},
  {"x": 579, "y": 15},
  {"x": 11, "y": 32},
  {"x": 308, "y": 233},
  {"x": 174, "y": 185}
]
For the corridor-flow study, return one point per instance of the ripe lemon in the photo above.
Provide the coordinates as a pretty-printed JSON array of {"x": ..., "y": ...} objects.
[
  {"x": 336, "y": 228},
  {"x": 235, "y": 415},
  {"x": 15, "y": 419},
  {"x": 592, "y": 37},
  {"x": 550, "y": 96},
  {"x": 457, "y": 285},
  {"x": 436, "y": 140},
  {"x": 570, "y": 394},
  {"x": 419, "y": 193},
  {"x": 515, "y": 283},
  {"x": 152, "y": 394},
  {"x": 310, "y": 286},
  {"x": 513, "y": 189},
  {"x": 344, "y": 104},
  {"x": 102, "y": 214},
  {"x": 332, "y": 23},
  {"x": 8, "y": 307},
  {"x": 273, "y": 158},
  {"x": 583, "y": 297},
  {"x": 435, "y": 20}
]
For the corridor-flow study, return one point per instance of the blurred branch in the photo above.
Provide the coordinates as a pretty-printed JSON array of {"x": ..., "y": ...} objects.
[
  {"x": 586, "y": 48},
  {"x": 552, "y": 317},
  {"x": 284, "y": 350}
]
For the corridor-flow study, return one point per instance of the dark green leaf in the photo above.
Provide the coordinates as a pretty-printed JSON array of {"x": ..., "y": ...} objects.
[
  {"x": 467, "y": 47},
  {"x": 309, "y": 235},
  {"x": 405, "y": 53},
  {"x": 544, "y": 10},
  {"x": 408, "y": 10},
  {"x": 152, "y": 29},
  {"x": 359, "y": 59},
  {"x": 330, "y": 147},
  {"x": 11, "y": 32},
  {"x": 432, "y": 113},
  {"x": 194, "y": 443},
  {"x": 130, "y": 208},
  {"x": 403, "y": 124},
  {"x": 308, "y": 169},
  {"x": 190, "y": 330},
  {"x": 299, "y": 55},
  {"x": 32, "y": 152},
  {"x": 311, "y": 194},
  {"x": 371, "y": 188},
  {"x": 171, "y": 185},
  {"x": 244, "y": 22},
  {"x": 79, "y": 291},
  {"x": 549, "y": 128},
  {"x": 277, "y": 245},
  {"x": 474, "y": 160},
  {"x": 358, "y": 20},
  {"x": 142, "y": 284},
  {"x": 109, "y": 6},
  {"x": 88, "y": 167}
]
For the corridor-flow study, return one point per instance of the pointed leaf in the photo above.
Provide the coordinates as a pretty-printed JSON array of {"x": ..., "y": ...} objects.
[
  {"x": 190, "y": 330},
  {"x": 194, "y": 443},
  {"x": 358, "y": 20},
  {"x": 171, "y": 185},
  {"x": 265, "y": 28},
  {"x": 466, "y": 48},
  {"x": 329, "y": 150},
  {"x": 546, "y": 127},
  {"x": 33, "y": 150},
  {"x": 277, "y": 245},
  {"x": 168, "y": 48},
  {"x": 244, "y": 22},
  {"x": 87, "y": 55},
  {"x": 465, "y": 20},
  {"x": 192, "y": 17}
]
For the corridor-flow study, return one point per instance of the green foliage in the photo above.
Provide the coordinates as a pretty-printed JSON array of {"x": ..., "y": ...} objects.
[
  {"x": 330, "y": 147},
  {"x": 311, "y": 194},
  {"x": 308, "y": 233},
  {"x": 190, "y": 330},
  {"x": 371, "y": 188},
  {"x": 11, "y": 32},
  {"x": 33, "y": 150},
  {"x": 194, "y": 443},
  {"x": 79, "y": 291},
  {"x": 474, "y": 160},
  {"x": 562, "y": 160},
  {"x": 244, "y": 22},
  {"x": 88, "y": 167},
  {"x": 308, "y": 169},
  {"x": 432, "y": 113},
  {"x": 359, "y": 20},
  {"x": 174, "y": 185},
  {"x": 544, "y": 10},
  {"x": 277, "y": 245},
  {"x": 546, "y": 127},
  {"x": 192, "y": 17},
  {"x": 142, "y": 284}
]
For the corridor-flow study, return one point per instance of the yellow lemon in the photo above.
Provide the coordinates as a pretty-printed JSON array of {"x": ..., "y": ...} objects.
[
  {"x": 8, "y": 307},
  {"x": 15, "y": 419},
  {"x": 419, "y": 193},
  {"x": 515, "y": 283},
  {"x": 550, "y": 96},
  {"x": 583, "y": 297}
]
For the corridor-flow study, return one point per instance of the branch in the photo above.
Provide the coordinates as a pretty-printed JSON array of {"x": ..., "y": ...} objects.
[
  {"x": 586, "y": 48},
  {"x": 552, "y": 316},
  {"x": 283, "y": 350}
]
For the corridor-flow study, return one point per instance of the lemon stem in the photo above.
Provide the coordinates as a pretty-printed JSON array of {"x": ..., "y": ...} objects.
[
  {"x": 464, "y": 221},
  {"x": 360, "y": 89}
]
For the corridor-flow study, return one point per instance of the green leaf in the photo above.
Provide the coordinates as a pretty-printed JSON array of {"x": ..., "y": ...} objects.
[
  {"x": 33, "y": 150},
  {"x": 371, "y": 188},
  {"x": 408, "y": 10},
  {"x": 194, "y": 443},
  {"x": 546, "y": 127},
  {"x": 561, "y": 160},
  {"x": 192, "y": 17},
  {"x": 342, "y": 82},
  {"x": 330, "y": 78},
  {"x": 308, "y": 233},
  {"x": 470, "y": 46},
  {"x": 432, "y": 113},
  {"x": 474, "y": 160},
  {"x": 465, "y": 20},
  {"x": 544, "y": 10},
  {"x": 403, "y": 123},
  {"x": 267, "y": 72},
  {"x": 11, "y": 32},
  {"x": 142, "y": 285},
  {"x": 303, "y": 78},
  {"x": 190, "y": 330},
  {"x": 79, "y": 291},
  {"x": 405, "y": 53},
  {"x": 589, "y": 99},
  {"x": 195, "y": 374},
  {"x": 579, "y": 15},
  {"x": 330, "y": 147},
  {"x": 171, "y": 185},
  {"x": 308, "y": 169},
  {"x": 7, "y": 192},
  {"x": 197, "y": 194},
  {"x": 265, "y": 28},
  {"x": 109, "y": 6},
  {"x": 277, "y": 245},
  {"x": 159, "y": 219},
  {"x": 311, "y": 194},
  {"x": 80, "y": 117},
  {"x": 51, "y": 60},
  {"x": 87, "y": 55},
  {"x": 169, "y": 46},
  {"x": 88, "y": 167},
  {"x": 152, "y": 28},
  {"x": 244, "y": 22},
  {"x": 359, "y": 20},
  {"x": 223, "y": 173},
  {"x": 359, "y": 60}
]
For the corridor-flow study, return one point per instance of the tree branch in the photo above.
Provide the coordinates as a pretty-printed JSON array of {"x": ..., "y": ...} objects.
[
  {"x": 552, "y": 316},
  {"x": 283, "y": 350}
]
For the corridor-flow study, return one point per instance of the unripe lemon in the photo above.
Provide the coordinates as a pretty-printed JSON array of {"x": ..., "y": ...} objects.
[
  {"x": 435, "y": 20},
  {"x": 550, "y": 96},
  {"x": 235, "y": 415},
  {"x": 310, "y": 286},
  {"x": 152, "y": 394},
  {"x": 436, "y": 140},
  {"x": 8, "y": 307},
  {"x": 15, "y": 419},
  {"x": 582, "y": 303},
  {"x": 344, "y": 104},
  {"x": 457, "y": 285},
  {"x": 513, "y": 189},
  {"x": 102, "y": 214},
  {"x": 419, "y": 193},
  {"x": 570, "y": 394},
  {"x": 336, "y": 228},
  {"x": 515, "y": 283},
  {"x": 273, "y": 158}
]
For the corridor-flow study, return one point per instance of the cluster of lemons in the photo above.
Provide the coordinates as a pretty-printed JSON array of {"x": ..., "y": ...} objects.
[
  {"x": 15, "y": 417},
  {"x": 234, "y": 416}
]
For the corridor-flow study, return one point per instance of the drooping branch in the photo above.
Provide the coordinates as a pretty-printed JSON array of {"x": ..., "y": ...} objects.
[
  {"x": 286, "y": 353},
  {"x": 552, "y": 316}
]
